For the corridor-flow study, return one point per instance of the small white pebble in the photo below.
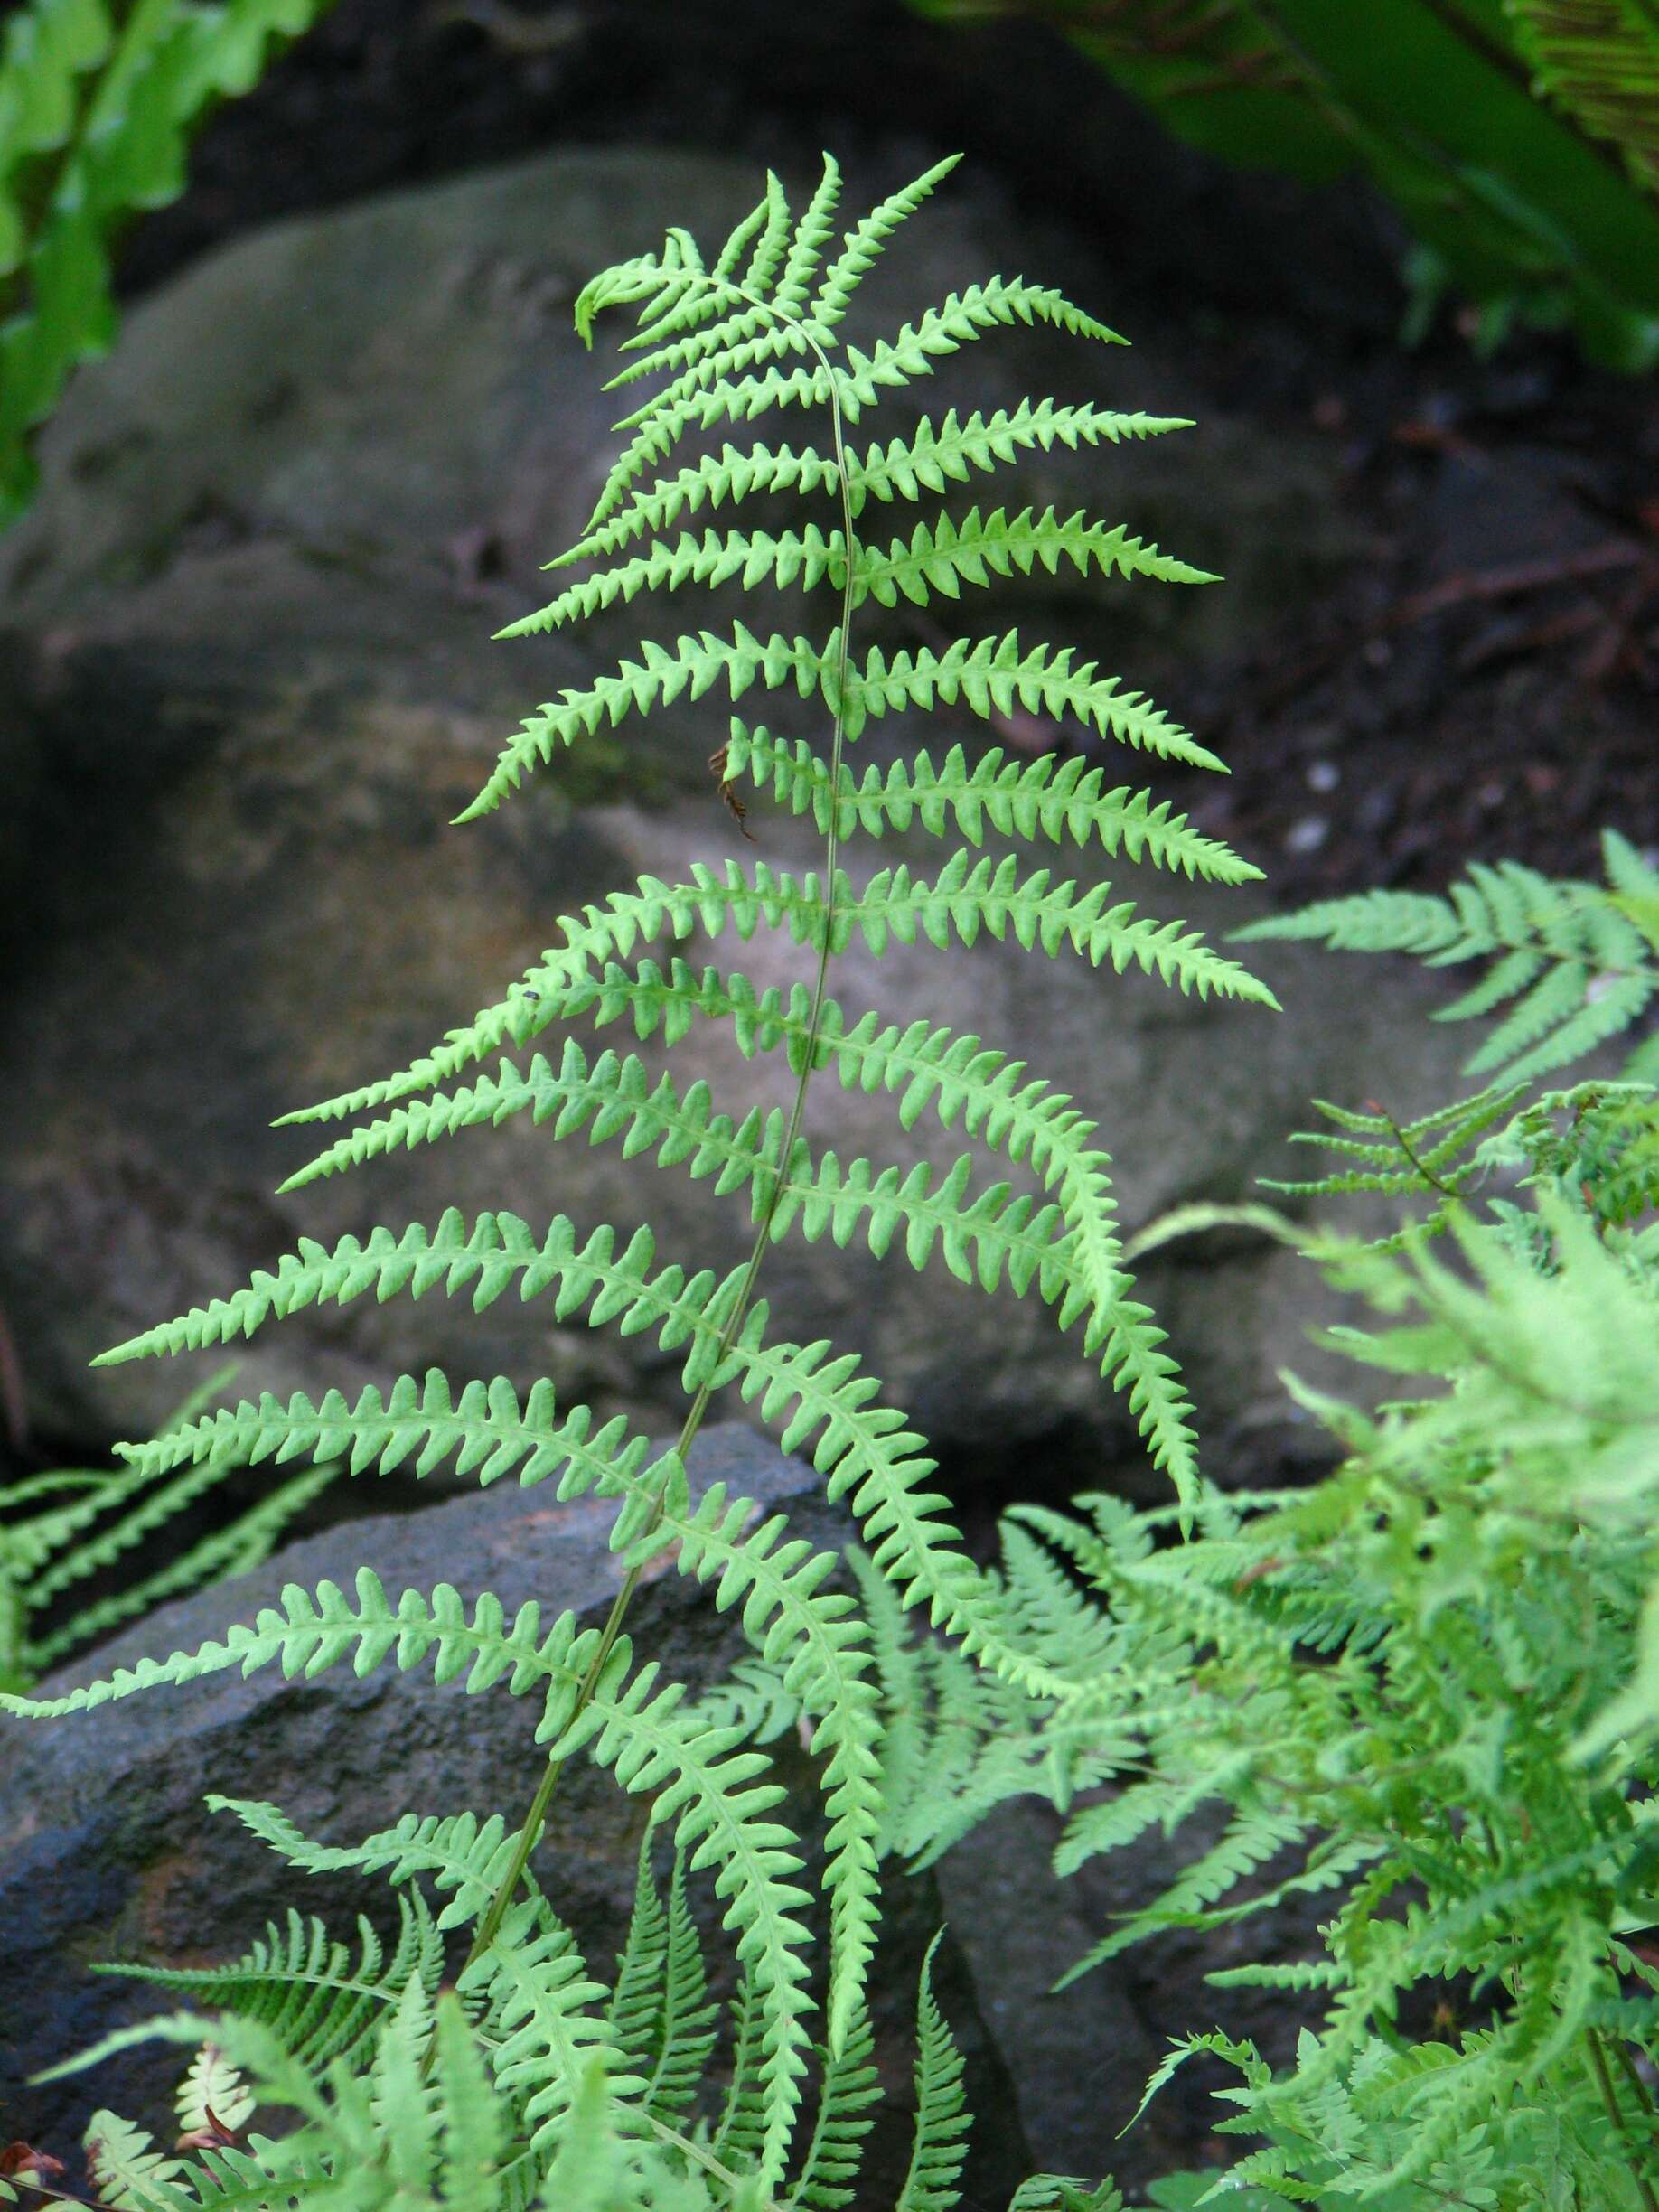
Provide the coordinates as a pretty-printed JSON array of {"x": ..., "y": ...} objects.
[{"x": 1307, "y": 835}]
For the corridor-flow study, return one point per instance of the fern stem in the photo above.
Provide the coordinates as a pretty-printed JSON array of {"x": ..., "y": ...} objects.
[
  {"x": 701, "y": 2156},
  {"x": 535, "y": 1819},
  {"x": 1604, "y": 2082},
  {"x": 1418, "y": 1166}
]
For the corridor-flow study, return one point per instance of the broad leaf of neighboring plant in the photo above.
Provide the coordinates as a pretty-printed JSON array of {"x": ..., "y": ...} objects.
[
  {"x": 1513, "y": 198},
  {"x": 1599, "y": 59},
  {"x": 98, "y": 101}
]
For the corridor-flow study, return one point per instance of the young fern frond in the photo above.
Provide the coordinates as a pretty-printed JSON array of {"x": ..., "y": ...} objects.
[
  {"x": 849, "y": 2088},
  {"x": 661, "y": 2012}
]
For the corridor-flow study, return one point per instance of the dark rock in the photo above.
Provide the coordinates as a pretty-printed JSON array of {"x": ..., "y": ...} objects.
[
  {"x": 1081, "y": 2057},
  {"x": 107, "y": 1852}
]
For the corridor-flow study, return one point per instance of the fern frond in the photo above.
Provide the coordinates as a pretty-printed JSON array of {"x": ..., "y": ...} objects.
[
  {"x": 691, "y": 667},
  {"x": 683, "y": 2017},
  {"x": 727, "y": 352},
  {"x": 737, "y": 2132},
  {"x": 863, "y": 1449},
  {"x": 303, "y": 1985},
  {"x": 929, "y": 458},
  {"x": 942, "y": 556},
  {"x": 636, "y": 1994},
  {"x": 1574, "y": 964},
  {"x": 716, "y": 479},
  {"x": 955, "y": 1078},
  {"x": 989, "y": 677},
  {"x": 212, "y": 2093},
  {"x": 966, "y": 897},
  {"x": 579, "y": 2089},
  {"x": 544, "y": 2028},
  {"x": 705, "y": 408},
  {"x": 559, "y": 986},
  {"x": 804, "y": 557},
  {"x": 806, "y": 248},
  {"x": 237, "y": 1550},
  {"x": 627, "y": 1725},
  {"x": 127, "y": 2168},
  {"x": 458, "y": 1852},
  {"x": 1434, "y": 1156},
  {"x": 937, "y": 557},
  {"x": 851, "y": 2086},
  {"x": 992, "y": 676}
]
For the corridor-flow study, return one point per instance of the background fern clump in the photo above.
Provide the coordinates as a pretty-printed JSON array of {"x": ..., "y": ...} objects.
[
  {"x": 1424, "y": 1691},
  {"x": 534, "y": 2077},
  {"x": 71, "y": 1526}
]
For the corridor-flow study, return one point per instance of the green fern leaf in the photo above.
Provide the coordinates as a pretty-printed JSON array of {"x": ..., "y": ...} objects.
[{"x": 942, "y": 2115}]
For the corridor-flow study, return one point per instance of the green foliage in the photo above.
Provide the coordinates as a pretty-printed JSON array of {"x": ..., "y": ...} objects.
[
  {"x": 1518, "y": 138},
  {"x": 60, "y": 1530},
  {"x": 1418, "y": 1698},
  {"x": 1599, "y": 59},
  {"x": 97, "y": 101},
  {"x": 1574, "y": 965},
  {"x": 536, "y": 2082},
  {"x": 1423, "y": 1691},
  {"x": 530, "y": 2081}
]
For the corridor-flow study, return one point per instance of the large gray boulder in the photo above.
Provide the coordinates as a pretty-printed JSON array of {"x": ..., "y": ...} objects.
[
  {"x": 246, "y": 678},
  {"x": 107, "y": 1852}
]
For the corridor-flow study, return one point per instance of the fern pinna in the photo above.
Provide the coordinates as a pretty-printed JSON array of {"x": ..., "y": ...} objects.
[{"x": 758, "y": 328}]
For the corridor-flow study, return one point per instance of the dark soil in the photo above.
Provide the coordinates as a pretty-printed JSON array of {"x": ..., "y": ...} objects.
[{"x": 1484, "y": 688}]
